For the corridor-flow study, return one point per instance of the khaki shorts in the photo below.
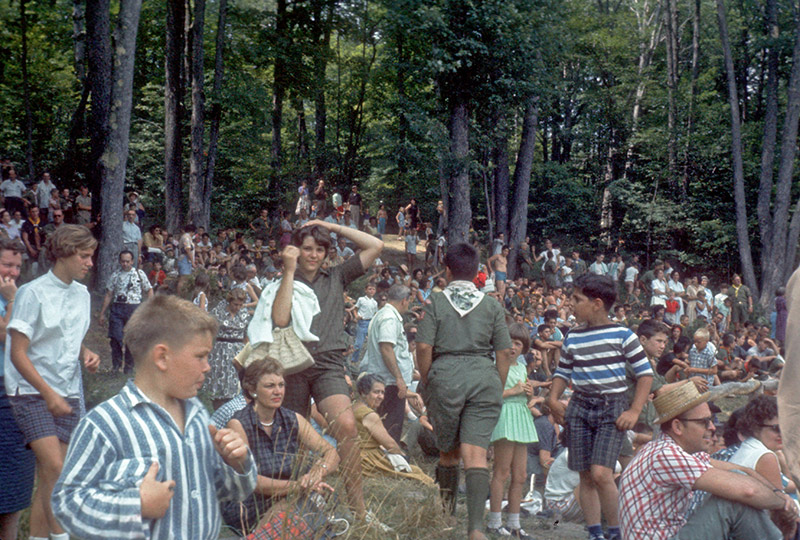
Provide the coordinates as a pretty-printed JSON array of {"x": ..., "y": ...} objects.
[{"x": 464, "y": 398}]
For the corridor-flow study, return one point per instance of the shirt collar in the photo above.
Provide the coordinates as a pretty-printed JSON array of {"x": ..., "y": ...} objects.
[
  {"x": 135, "y": 397},
  {"x": 57, "y": 281}
]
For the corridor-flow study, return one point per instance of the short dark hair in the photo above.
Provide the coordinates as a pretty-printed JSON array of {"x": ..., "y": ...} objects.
[
  {"x": 594, "y": 286},
  {"x": 320, "y": 235},
  {"x": 728, "y": 339},
  {"x": 756, "y": 413},
  {"x": 462, "y": 260},
  {"x": 681, "y": 345},
  {"x": 650, "y": 327},
  {"x": 365, "y": 383},
  {"x": 550, "y": 314},
  {"x": 125, "y": 252},
  {"x": 519, "y": 332}
]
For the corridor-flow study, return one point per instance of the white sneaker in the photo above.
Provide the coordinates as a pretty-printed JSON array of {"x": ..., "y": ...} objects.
[{"x": 373, "y": 520}]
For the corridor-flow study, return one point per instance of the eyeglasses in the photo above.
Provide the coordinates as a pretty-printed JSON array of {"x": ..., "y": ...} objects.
[
  {"x": 702, "y": 421},
  {"x": 774, "y": 427}
]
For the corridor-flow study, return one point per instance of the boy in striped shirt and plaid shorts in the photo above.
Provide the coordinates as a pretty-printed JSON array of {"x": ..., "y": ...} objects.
[{"x": 593, "y": 359}]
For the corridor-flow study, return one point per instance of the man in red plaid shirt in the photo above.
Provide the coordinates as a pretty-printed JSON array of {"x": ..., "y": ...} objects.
[{"x": 656, "y": 487}]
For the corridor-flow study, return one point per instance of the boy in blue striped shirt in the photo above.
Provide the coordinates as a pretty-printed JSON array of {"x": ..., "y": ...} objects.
[
  {"x": 593, "y": 359},
  {"x": 146, "y": 463}
]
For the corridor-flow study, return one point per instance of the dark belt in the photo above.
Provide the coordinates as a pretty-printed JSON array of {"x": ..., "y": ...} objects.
[{"x": 230, "y": 340}]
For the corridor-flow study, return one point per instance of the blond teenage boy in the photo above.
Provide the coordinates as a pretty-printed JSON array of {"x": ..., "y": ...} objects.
[
  {"x": 146, "y": 463},
  {"x": 42, "y": 363}
]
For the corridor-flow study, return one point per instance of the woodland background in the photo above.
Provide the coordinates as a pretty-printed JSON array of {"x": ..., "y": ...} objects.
[{"x": 658, "y": 127}]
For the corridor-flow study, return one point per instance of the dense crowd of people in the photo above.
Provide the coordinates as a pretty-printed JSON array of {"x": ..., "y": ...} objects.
[{"x": 588, "y": 382}]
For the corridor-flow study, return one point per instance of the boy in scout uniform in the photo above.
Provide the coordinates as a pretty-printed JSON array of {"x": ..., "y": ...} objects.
[{"x": 463, "y": 353}]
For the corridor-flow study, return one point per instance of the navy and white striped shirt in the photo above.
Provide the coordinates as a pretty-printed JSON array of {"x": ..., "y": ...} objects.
[
  {"x": 594, "y": 359},
  {"x": 97, "y": 494}
]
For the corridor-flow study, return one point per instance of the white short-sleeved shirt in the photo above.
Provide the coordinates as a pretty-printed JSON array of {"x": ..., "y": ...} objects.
[
  {"x": 630, "y": 274},
  {"x": 55, "y": 317},
  {"x": 367, "y": 308},
  {"x": 131, "y": 232},
  {"x": 387, "y": 327},
  {"x": 12, "y": 188}
]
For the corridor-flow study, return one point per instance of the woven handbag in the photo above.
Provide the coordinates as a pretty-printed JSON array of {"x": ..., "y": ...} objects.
[{"x": 286, "y": 348}]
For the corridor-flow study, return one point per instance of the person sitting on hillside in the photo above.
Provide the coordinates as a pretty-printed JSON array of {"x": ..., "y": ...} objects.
[{"x": 381, "y": 455}]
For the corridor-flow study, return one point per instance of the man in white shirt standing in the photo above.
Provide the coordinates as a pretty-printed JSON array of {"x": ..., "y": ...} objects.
[
  {"x": 598, "y": 266},
  {"x": 43, "y": 191},
  {"x": 126, "y": 290},
  {"x": 132, "y": 236},
  {"x": 42, "y": 363},
  {"x": 389, "y": 357},
  {"x": 364, "y": 310},
  {"x": 13, "y": 188}
]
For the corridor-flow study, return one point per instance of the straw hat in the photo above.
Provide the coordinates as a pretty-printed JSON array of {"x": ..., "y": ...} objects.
[{"x": 678, "y": 400}]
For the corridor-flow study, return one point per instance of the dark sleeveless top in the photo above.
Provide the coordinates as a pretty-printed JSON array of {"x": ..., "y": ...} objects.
[{"x": 274, "y": 455}]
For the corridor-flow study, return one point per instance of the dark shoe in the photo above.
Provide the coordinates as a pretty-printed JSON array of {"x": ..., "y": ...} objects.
[
  {"x": 520, "y": 534},
  {"x": 497, "y": 532}
]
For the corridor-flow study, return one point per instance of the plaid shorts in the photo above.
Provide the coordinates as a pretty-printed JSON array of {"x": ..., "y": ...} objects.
[
  {"x": 36, "y": 422},
  {"x": 591, "y": 433},
  {"x": 324, "y": 379}
]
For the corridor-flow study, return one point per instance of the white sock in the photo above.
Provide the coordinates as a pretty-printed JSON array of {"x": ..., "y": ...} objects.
[
  {"x": 37, "y": 538},
  {"x": 512, "y": 521},
  {"x": 495, "y": 521},
  {"x": 61, "y": 536}
]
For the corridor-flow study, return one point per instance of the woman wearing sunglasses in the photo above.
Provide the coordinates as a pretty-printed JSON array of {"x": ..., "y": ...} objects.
[{"x": 759, "y": 429}]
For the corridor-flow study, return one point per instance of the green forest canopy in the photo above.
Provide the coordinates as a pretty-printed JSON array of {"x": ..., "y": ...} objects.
[{"x": 631, "y": 96}]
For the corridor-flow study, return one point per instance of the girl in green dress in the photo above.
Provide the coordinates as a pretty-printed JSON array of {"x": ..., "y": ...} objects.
[{"x": 514, "y": 430}]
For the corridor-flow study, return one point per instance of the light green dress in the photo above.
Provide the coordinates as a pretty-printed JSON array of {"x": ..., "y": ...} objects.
[{"x": 516, "y": 421}]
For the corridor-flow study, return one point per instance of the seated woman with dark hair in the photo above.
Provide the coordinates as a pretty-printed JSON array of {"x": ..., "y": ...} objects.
[
  {"x": 274, "y": 435},
  {"x": 761, "y": 434},
  {"x": 374, "y": 439}
]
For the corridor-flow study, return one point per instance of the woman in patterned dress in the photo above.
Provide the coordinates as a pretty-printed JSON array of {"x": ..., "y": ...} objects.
[{"x": 222, "y": 380}]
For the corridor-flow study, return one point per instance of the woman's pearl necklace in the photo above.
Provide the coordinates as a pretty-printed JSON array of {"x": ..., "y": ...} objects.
[{"x": 266, "y": 424}]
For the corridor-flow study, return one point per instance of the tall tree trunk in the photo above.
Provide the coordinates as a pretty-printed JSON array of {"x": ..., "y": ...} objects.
[
  {"x": 216, "y": 109},
  {"x": 173, "y": 113},
  {"x": 459, "y": 208},
  {"x": 197, "y": 176},
  {"x": 79, "y": 38},
  {"x": 98, "y": 29},
  {"x": 66, "y": 169},
  {"x": 302, "y": 130},
  {"x": 650, "y": 26},
  {"x": 323, "y": 23},
  {"x": 784, "y": 246},
  {"x": 693, "y": 93},
  {"x": 518, "y": 225},
  {"x": 501, "y": 174},
  {"x": 745, "y": 255},
  {"x": 606, "y": 209},
  {"x": 770, "y": 134},
  {"x": 403, "y": 126},
  {"x": 115, "y": 156},
  {"x": 279, "y": 83},
  {"x": 26, "y": 91},
  {"x": 672, "y": 88}
]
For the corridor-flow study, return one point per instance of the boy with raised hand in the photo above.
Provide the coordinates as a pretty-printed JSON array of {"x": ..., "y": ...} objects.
[
  {"x": 42, "y": 363},
  {"x": 146, "y": 463},
  {"x": 594, "y": 358}
]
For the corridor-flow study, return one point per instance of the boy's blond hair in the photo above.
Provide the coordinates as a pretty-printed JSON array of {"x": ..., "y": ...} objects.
[
  {"x": 165, "y": 319},
  {"x": 702, "y": 333},
  {"x": 68, "y": 240}
]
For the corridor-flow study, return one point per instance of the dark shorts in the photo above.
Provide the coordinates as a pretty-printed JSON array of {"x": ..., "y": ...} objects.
[
  {"x": 592, "y": 435},
  {"x": 324, "y": 379},
  {"x": 464, "y": 398},
  {"x": 739, "y": 313},
  {"x": 17, "y": 463},
  {"x": 36, "y": 422}
]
